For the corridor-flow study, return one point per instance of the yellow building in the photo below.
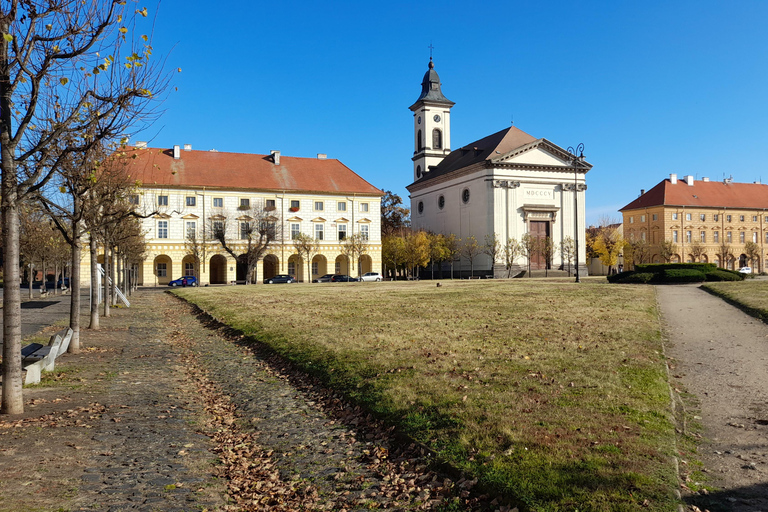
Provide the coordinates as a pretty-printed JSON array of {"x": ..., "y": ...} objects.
[
  {"x": 188, "y": 192},
  {"x": 718, "y": 218}
]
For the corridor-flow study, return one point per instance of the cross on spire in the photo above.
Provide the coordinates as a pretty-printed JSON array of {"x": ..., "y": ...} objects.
[{"x": 430, "y": 50}]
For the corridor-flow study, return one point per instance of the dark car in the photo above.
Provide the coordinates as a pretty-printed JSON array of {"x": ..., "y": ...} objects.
[
  {"x": 327, "y": 278},
  {"x": 280, "y": 278},
  {"x": 64, "y": 282},
  {"x": 184, "y": 281},
  {"x": 341, "y": 278}
]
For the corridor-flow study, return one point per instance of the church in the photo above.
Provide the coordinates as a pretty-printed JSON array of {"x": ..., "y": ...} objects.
[{"x": 508, "y": 183}]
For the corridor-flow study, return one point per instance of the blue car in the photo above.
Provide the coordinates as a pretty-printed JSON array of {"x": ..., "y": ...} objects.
[{"x": 184, "y": 281}]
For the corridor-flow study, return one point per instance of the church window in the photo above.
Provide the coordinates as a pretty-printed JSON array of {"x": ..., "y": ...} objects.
[
  {"x": 162, "y": 200},
  {"x": 418, "y": 171},
  {"x": 465, "y": 195},
  {"x": 437, "y": 139},
  {"x": 218, "y": 202},
  {"x": 441, "y": 202},
  {"x": 419, "y": 144},
  {"x": 421, "y": 206}
]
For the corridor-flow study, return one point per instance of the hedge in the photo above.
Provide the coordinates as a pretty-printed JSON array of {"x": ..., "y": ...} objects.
[
  {"x": 661, "y": 267},
  {"x": 682, "y": 275},
  {"x": 724, "y": 275}
]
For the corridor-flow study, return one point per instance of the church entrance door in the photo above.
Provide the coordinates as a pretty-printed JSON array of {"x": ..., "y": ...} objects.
[{"x": 540, "y": 230}]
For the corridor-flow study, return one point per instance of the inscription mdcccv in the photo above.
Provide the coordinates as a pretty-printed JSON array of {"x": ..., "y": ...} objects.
[{"x": 540, "y": 193}]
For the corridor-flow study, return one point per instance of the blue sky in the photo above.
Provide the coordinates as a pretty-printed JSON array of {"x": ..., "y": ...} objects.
[{"x": 650, "y": 88}]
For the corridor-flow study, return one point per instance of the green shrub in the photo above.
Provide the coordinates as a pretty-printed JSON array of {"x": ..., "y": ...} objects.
[
  {"x": 681, "y": 275},
  {"x": 658, "y": 268},
  {"x": 619, "y": 278},
  {"x": 724, "y": 275},
  {"x": 637, "y": 278}
]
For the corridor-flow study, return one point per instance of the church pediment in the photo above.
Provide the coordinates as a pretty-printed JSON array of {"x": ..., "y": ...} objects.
[{"x": 534, "y": 154}]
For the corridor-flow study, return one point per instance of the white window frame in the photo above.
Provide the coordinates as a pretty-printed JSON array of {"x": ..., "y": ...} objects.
[
  {"x": 319, "y": 231},
  {"x": 342, "y": 228},
  {"x": 191, "y": 201},
  {"x": 162, "y": 229},
  {"x": 295, "y": 230},
  {"x": 220, "y": 201},
  {"x": 162, "y": 200},
  {"x": 319, "y": 206},
  {"x": 191, "y": 226},
  {"x": 364, "y": 207},
  {"x": 364, "y": 231},
  {"x": 341, "y": 206},
  {"x": 162, "y": 270}
]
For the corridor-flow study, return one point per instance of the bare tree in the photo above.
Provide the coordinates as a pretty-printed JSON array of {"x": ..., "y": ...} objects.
[
  {"x": 354, "y": 247},
  {"x": 568, "y": 251},
  {"x": 752, "y": 251},
  {"x": 697, "y": 249},
  {"x": 547, "y": 247},
  {"x": 470, "y": 249},
  {"x": 511, "y": 251},
  {"x": 65, "y": 66},
  {"x": 257, "y": 229},
  {"x": 529, "y": 246},
  {"x": 452, "y": 249},
  {"x": 492, "y": 248},
  {"x": 307, "y": 247},
  {"x": 667, "y": 249},
  {"x": 726, "y": 253}
]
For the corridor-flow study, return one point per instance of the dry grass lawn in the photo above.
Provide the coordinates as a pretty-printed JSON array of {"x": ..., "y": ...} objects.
[
  {"x": 552, "y": 394},
  {"x": 750, "y": 295}
]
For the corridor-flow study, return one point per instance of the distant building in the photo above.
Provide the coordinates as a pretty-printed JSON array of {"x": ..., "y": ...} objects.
[
  {"x": 190, "y": 190},
  {"x": 721, "y": 217},
  {"x": 508, "y": 184}
]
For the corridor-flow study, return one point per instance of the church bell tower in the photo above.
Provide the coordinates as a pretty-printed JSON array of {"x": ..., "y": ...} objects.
[{"x": 431, "y": 125}]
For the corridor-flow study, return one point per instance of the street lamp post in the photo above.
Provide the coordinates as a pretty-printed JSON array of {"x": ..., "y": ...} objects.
[{"x": 576, "y": 189}]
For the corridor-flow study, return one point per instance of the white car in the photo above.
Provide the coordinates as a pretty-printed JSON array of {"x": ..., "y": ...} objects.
[
  {"x": 371, "y": 276},
  {"x": 745, "y": 270}
]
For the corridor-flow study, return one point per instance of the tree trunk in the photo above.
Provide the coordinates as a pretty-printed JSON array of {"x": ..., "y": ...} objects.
[
  {"x": 107, "y": 299},
  {"x": 31, "y": 279},
  {"x": 12, "y": 399},
  {"x": 74, "y": 290},
  {"x": 94, "y": 284}
]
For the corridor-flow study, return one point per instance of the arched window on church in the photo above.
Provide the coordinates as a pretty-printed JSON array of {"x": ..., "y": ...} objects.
[
  {"x": 419, "y": 144},
  {"x": 437, "y": 139}
]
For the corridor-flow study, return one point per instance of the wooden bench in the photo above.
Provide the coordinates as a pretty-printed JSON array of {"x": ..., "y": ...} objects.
[{"x": 44, "y": 357}]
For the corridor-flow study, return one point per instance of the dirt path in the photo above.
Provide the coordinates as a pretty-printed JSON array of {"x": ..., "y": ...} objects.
[
  {"x": 720, "y": 355},
  {"x": 160, "y": 412}
]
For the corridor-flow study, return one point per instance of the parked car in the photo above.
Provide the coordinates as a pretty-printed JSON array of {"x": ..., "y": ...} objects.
[
  {"x": 745, "y": 270},
  {"x": 341, "y": 278},
  {"x": 65, "y": 282},
  {"x": 371, "y": 276},
  {"x": 184, "y": 281},
  {"x": 323, "y": 279},
  {"x": 280, "y": 278}
]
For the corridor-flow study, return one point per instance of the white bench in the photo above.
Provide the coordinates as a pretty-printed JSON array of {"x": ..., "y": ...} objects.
[{"x": 44, "y": 357}]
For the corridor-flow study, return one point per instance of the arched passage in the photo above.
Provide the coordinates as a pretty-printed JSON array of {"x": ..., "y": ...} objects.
[
  {"x": 319, "y": 266},
  {"x": 342, "y": 265},
  {"x": 188, "y": 266},
  {"x": 296, "y": 267},
  {"x": 218, "y": 269},
  {"x": 162, "y": 269},
  {"x": 271, "y": 266},
  {"x": 242, "y": 268},
  {"x": 366, "y": 264}
]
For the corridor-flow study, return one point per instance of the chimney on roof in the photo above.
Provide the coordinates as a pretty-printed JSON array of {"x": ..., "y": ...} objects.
[
  {"x": 176, "y": 152},
  {"x": 322, "y": 156},
  {"x": 705, "y": 179},
  {"x": 642, "y": 191},
  {"x": 275, "y": 156},
  {"x": 187, "y": 147},
  {"x": 673, "y": 179},
  {"x": 689, "y": 180},
  {"x": 141, "y": 144}
]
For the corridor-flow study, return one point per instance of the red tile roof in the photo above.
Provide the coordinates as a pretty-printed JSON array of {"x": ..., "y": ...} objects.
[
  {"x": 242, "y": 171},
  {"x": 706, "y": 194}
]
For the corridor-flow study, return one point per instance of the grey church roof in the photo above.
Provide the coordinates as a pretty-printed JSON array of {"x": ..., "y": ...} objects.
[
  {"x": 481, "y": 150},
  {"x": 430, "y": 89}
]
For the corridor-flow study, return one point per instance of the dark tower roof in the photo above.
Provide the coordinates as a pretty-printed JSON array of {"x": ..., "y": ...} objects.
[{"x": 430, "y": 89}]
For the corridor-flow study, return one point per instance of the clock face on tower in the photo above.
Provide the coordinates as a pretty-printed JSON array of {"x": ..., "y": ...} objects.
[
  {"x": 419, "y": 120},
  {"x": 436, "y": 118}
]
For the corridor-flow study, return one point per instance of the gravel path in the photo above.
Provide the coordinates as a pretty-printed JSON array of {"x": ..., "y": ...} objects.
[{"x": 720, "y": 355}]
